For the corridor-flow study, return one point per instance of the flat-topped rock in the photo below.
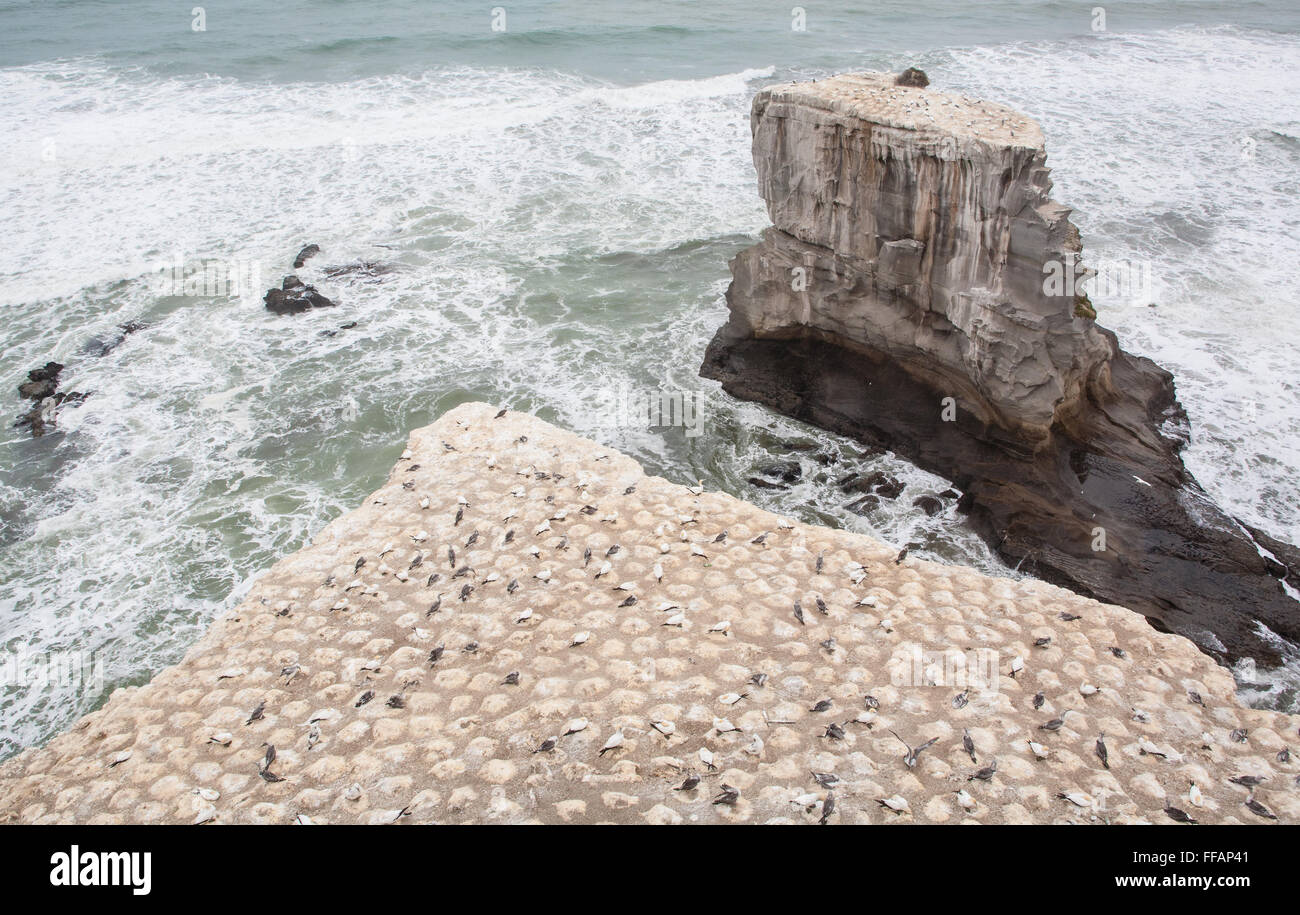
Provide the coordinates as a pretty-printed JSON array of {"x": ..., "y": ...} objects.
[
  {"x": 920, "y": 290},
  {"x": 393, "y": 694},
  {"x": 877, "y": 98}
]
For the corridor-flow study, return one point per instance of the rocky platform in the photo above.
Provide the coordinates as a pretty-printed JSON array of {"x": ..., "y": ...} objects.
[
  {"x": 544, "y": 694},
  {"x": 921, "y": 291}
]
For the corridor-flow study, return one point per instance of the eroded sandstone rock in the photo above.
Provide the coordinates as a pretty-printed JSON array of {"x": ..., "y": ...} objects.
[{"x": 919, "y": 289}]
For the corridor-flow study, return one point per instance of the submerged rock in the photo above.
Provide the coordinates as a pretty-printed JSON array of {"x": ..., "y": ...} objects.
[
  {"x": 362, "y": 269},
  {"x": 295, "y": 296},
  {"x": 920, "y": 290},
  {"x": 305, "y": 255},
  {"x": 103, "y": 344},
  {"x": 41, "y": 388}
]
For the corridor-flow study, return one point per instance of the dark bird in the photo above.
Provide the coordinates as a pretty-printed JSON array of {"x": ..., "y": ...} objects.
[
  {"x": 1284, "y": 755},
  {"x": 729, "y": 796},
  {"x": 628, "y": 601},
  {"x": 586, "y": 557},
  {"x": 1119, "y": 653},
  {"x": 986, "y": 773},
  {"x": 1259, "y": 809},
  {"x": 822, "y": 706},
  {"x": 1195, "y": 697},
  {"x": 473, "y": 539},
  {"x": 613, "y": 550},
  {"x": 821, "y": 607},
  {"x": 1056, "y": 723},
  {"x": 270, "y": 755},
  {"x": 451, "y": 557},
  {"x": 470, "y": 648},
  {"x": 834, "y": 731},
  {"x": 629, "y": 490},
  {"x": 510, "y": 535},
  {"x": 433, "y": 608},
  {"x": 502, "y": 412},
  {"x": 546, "y": 745},
  {"x": 1101, "y": 751},
  {"x": 1043, "y": 642},
  {"x": 828, "y": 807},
  {"x": 256, "y": 714},
  {"x": 1069, "y": 617},
  {"x": 513, "y": 586},
  {"x": 512, "y": 679},
  {"x": 1178, "y": 815},
  {"x": 436, "y": 654},
  {"x": 960, "y": 700},
  {"x": 871, "y": 702},
  {"x": 902, "y": 554},
  {"x": 758, "y": 679},
  {"x": 269, "y": 776},
  {"x": 827, "y": 780},
  {"x": 415, "y": 563},
  {"x": 968, "y": 744},
  {"x": 360, "y": 562},
  {"x": 1039, "y": 699},
  {"x": 1239, "y": 735},
  {"x": 364, "y": 698},
  {"x": 396, "y": 702},
  {"x": 761, "y": 539},
  {"x": 460, "y": 514},
  {"x": 435, "y": 577},
  {"x": 462, "y": 572},
  {"x": 798, "y": 613},
  {"x": 690, "y": 784},
  {"x": 821, "y": 561},
  {"x": 909, "y": 759},
  {"x": 466, "y": 591},
  {"x": 1248, "y": 781},
  {"x": 721, "y": 537}
]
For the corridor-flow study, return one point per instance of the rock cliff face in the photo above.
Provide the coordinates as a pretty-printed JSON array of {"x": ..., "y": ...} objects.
[
  {"x": 917, "y": 224},
  {"x": 920, "y": 289}
]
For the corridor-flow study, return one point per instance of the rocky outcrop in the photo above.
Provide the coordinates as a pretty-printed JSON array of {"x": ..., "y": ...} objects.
[
  {"x": 294, "y": 296},
  {"x": 919, "y": 289},
  {"x": 42, "y": 389},
  {"x": 612, "y": 647},
  {"x": 306, "y": 254}
]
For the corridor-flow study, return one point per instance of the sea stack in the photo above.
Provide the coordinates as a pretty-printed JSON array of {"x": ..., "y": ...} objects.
[{"x": 920, "y": 290}]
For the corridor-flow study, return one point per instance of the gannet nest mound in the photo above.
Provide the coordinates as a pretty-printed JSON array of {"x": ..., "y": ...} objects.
[{"x": 338, "y": 668}]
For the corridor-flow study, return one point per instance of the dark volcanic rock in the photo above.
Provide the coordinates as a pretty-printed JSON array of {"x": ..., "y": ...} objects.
[
  {"x": 37, "y": 390},
  {"x": 931, "y": 505},
  {"x": 877, "y": 482},
  {"x": 864, "y": 506},
  {"x": 784, "y": 471},
  {"x": 42, "y": 389},
  {"x": 1171, "y": 553},
  {"x": 294, "y": 296},
  {"x": 305, "y": 255},
  {"x": 362, "y": 269},
  {"x": 104, "y": 344},
  {"x": 912, "y": 78},
  {"x": 48, "y": 372}
]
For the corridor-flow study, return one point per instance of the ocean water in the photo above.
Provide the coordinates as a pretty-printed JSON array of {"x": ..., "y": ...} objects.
[{"x": 553, "y": 206}]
